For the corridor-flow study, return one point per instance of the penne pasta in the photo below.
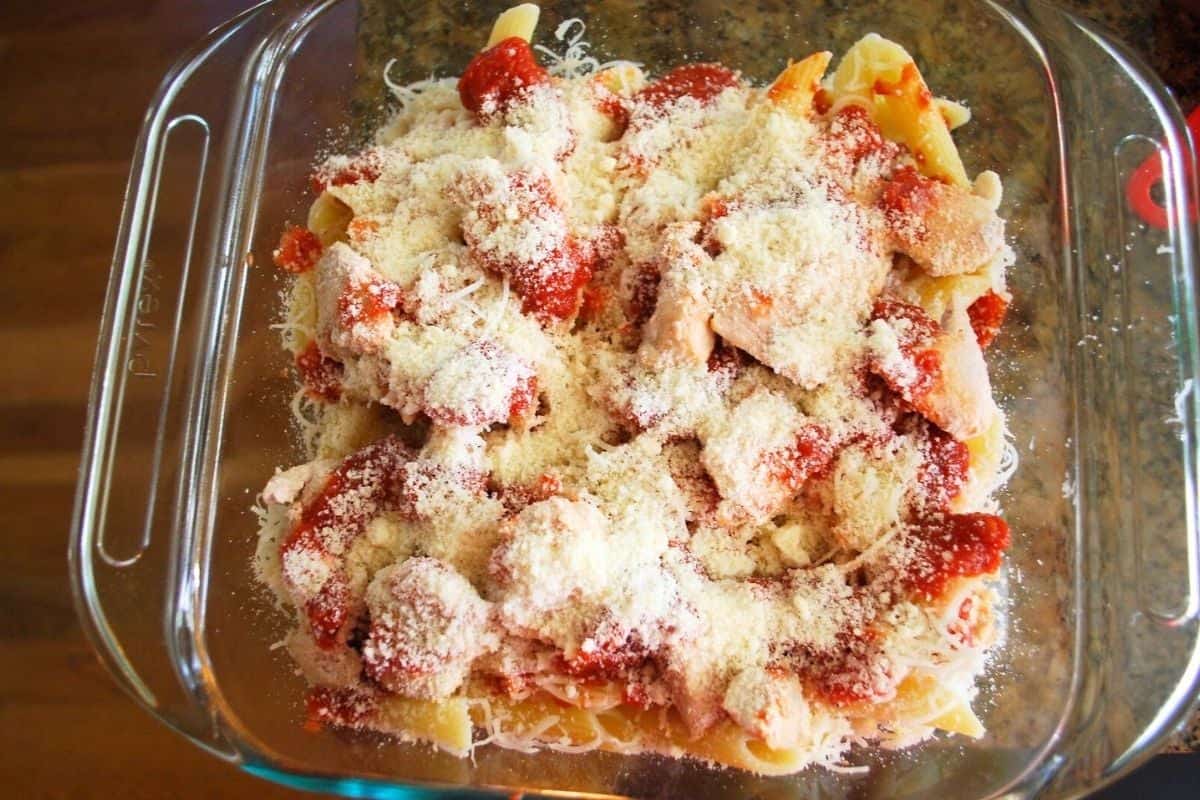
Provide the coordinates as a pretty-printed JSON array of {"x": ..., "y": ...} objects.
[
  {"x": 959, "y": 719},
  {"x": 795, "y": 87},
  {"x": 445, "y": 723},
  {"x": 519, "y": 21},
  {"x": 955, "y": 114},
  {"x": 328, "y": 218},
  {"x": 883, "y": 76}
]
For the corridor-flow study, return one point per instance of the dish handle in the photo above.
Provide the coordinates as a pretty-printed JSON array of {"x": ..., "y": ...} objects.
[
  {"x": 138, "y": 501},
  {"x": 1134, "y": 538}
]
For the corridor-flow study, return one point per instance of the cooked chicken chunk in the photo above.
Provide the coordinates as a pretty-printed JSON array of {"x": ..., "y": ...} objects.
[
  {"x": 792, "y": 285},
  {"x": 679, "y": 328},
  {"x": 960, "y": 402},
  {"x": 945, "y": 229},
  {"x": 354, "y": 304}
]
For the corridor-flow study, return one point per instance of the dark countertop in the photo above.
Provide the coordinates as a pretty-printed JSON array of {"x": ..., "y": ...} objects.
[
  {"x": 1165, "y": 34},
  {"x": 83, "y": 74}
]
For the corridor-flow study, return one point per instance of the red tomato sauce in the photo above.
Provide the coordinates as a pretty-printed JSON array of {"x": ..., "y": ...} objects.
[
  {"x": 952, "y": 546},
  {"x": 329, "y": 610},
  {"x": 852, "y": 135},
  {"x": 607, "y": 660},
  {"x": 643, "y": 296},
  {"x": 922, "y": 327},
  {"x": 550, "y": 288},
  {"x": 809, "y": 457},
  {"x": 298, "y": 251},
  {"x": 519, "y": 496},
  {"x": 725, "y": 358},
  {"x": 908, "y": 194},
  {"x": 342, "y": 708},
  {"x": 987, "y": 315},
  {"x": 364, "y": 484},
  {"x": 909, "y": 83},
  {"x": 701, "y": 81},
  {"x": 606, "y": 243},
  {"x": 361, "y": 170},
  {"x": 943, "y": 472},
  {"x": 613, "y": 106},
  {"x": 915, "y": 341},
  {"x": 822, "y": 101},
  {"x": 499, "y": 75},
  {"x": 699, "y": 490},
  {"x": 367, "y": 303},
  {"x": 961, "y": 628},
  {"x": 594, "y": 301},
  {"x": 853, "y": 671},
  {"x": 523, "y": 398},
  {"x": 556, "y": 296},
  {"x": 321, "y": 376},
  {"x": 635, "y": 694}
]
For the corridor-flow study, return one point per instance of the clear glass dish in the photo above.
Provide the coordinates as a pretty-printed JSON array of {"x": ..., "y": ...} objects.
[{"x": 1097, "y": 368}]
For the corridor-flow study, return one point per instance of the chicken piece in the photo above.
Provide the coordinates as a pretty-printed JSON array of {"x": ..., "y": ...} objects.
[
  {"x": 427, "y": 625},
  {"x": 514, "y": 225},
  {"x": 960, "y": 401},
  {"x": 804, "y": 345},
  {"x": 547, "y": 527},
  {"x": 945, "y": 229},
  {"x": 695, "y": 693},
  {"x": 286, "y": 485},
  {"x": 939, "y": 369},
  {"x": 354, "y": 304},
  {"x": 793, "y": 283},
  {"x": 679, "y": 327},
  {"x": 479, "y": 385},
  {"x": 760, "y": 454},
  {"x": 564, "y": 575},
  {"x": 338, "y": 666},
  {"x": 769, "y": 705},
  {"x": 551, "y": 554},
  {"x": 456, "y": 448}
]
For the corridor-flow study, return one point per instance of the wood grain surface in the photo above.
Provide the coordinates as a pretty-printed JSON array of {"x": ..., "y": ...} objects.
[{"x": 77, "y": 79}]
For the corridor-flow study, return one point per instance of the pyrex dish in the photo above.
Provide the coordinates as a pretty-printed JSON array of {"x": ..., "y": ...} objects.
[{"x": 1097, "y": 367}]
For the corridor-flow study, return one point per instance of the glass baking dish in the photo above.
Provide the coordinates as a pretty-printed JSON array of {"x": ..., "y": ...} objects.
[{"x": 1097, "y": 369}]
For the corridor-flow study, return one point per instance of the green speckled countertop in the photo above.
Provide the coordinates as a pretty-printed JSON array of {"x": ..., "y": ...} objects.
[{"x": 962, "y": 55}]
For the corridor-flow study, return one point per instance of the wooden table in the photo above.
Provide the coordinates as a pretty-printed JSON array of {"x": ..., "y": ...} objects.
[{"x": 77, "y": 78}]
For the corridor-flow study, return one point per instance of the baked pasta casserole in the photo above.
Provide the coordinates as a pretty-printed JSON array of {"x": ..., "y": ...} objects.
[{"x": 646, "y": 412}]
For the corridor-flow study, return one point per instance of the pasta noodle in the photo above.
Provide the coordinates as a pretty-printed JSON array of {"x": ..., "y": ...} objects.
[
  {"x": 518, "y": 21},
  {"x": 446, "y": 723},
  {"x": 796, "y": 86},
  {"x": 328, "y": 218},
  {"x": 883, "y": 76}
]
